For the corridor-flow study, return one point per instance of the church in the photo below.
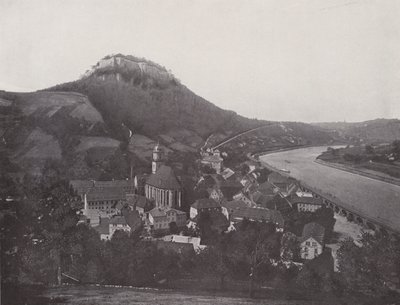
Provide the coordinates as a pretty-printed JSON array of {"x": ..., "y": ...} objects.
[{"x": 162, "y": 185}]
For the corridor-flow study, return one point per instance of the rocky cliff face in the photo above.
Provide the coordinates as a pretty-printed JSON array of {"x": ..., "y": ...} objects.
[{"x": 131, "y": 69}]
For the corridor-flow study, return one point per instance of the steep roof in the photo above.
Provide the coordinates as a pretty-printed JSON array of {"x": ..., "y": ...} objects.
[
  {"x": 164, "y": 178},
  {"x": 105, "y": 193},
  {"x": 132, "y": 218},
  {"x": 205, "y": 203},
  {"x": 315, "y": 231},
  {"x": 83, "y": 186},
  {"x": 259, "y": 214}
]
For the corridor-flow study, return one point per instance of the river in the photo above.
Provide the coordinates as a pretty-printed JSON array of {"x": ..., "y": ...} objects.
[{"x": 377, "y": 200}]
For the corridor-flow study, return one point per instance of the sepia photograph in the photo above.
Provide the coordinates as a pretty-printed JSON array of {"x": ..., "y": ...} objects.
[{"x": 228, "y": 152}]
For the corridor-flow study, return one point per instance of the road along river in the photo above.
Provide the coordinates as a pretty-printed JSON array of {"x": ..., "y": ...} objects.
[{"x": 377, "y": 200}]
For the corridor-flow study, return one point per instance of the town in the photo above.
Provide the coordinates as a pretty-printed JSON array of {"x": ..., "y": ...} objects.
[{"x": 151, "y": 203}]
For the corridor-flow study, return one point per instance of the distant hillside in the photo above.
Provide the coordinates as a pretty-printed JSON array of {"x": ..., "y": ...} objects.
[{"x": 371, "y": 131}]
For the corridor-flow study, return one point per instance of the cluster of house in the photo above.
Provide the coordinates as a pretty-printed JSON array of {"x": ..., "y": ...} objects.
[
  {"x": 152, "y": 200},
  {"x": 155, "y": 201}
]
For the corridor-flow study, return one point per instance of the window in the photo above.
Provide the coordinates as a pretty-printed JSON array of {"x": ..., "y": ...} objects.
[
  {"x": 307, "y": 243},
  {"x": 314, "y": 244}
]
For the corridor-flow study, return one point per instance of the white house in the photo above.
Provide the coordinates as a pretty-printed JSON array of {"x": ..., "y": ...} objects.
[
  {"x": 305, "y": 202},
  {"x": 160, "y": 218},
  {"x": 312, "y": 240}
]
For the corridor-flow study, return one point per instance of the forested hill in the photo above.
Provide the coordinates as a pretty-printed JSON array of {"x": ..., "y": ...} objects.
[{"x": 150, "y": 100}]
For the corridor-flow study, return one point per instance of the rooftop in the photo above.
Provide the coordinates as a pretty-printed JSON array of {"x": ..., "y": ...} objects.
[
  {"x": 205, "y": 203},
  {"x": 132, "y": 218},
  {"x": 212, "y": 158},
  {"x": 83, "y": 186},
  {"x": 103, "y": 227},
  {"x": 259, "y": 214},
  {"x": 227, "y": 173},
  {"x": 306, "y": 200},
  {"x": 164, "y": 178},
  {"x": 162, "y": 212},
  {"x": 118, "y": 220},
  {"x": 315, "y": 231},
  {"x": 278, "y": 203},
  {"x": 105, "y": 193}
]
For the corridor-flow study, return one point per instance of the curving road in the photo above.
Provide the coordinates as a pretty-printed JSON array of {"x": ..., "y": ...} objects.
[{"x": 377, "y": 200}]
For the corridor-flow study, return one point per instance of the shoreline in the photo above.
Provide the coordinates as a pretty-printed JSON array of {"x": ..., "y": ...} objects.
[{"x": 356, "y": 171}]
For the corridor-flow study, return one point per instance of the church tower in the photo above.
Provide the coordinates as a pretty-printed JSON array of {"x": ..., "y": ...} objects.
[{"x": 158, "y": 158}]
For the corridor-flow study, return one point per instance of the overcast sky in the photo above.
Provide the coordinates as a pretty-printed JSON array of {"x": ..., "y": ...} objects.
[{"x": 330, "y": 60}]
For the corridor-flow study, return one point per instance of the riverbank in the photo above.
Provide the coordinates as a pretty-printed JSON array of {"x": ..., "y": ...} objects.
[
  {"x": 359, "y": 171},
  {"x": 372, "y": 199}
]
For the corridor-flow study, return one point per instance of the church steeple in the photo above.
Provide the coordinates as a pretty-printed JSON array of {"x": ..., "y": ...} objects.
[{"x": 158, "y": 158}]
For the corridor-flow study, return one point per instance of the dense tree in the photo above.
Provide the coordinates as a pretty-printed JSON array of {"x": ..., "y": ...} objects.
[
  {"x": 370, "y": 267},
  {"x": 219, "y": 258},
  {"x": 396, "y": 149},
  {"x": 260, "y": 244},
  {"x": 290, "y": 247}
]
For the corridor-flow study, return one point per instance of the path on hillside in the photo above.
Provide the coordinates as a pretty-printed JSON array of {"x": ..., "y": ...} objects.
[{"x": 239, "y": 134}]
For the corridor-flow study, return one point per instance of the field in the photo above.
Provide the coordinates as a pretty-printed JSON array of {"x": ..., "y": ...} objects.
[{"x": 92, "y": 295}]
